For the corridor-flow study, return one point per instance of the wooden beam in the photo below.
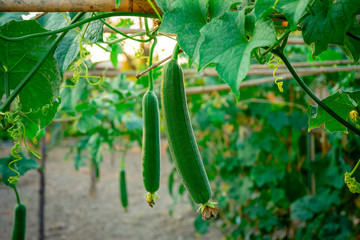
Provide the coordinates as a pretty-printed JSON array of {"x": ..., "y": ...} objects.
[
  {"x": 140, "y": 6},
  {"x": 211, "y": 72}
]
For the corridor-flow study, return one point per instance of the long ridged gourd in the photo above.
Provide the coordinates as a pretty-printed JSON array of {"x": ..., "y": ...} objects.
[
  {"x": 123, "y": 190},
  {"x": 151, "y": 138},
  {"x": 180, "y": 135},
  {"x": 19, "y": 227},
  {"x": 151, "y": 146}
]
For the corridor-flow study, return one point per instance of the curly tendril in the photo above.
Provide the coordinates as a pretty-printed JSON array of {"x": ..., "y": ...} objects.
[
  {"x": 17, "y": 132},
  {"x": 80, "y": 66},
  {"x": 351, "y": 182},
  {"x": 274, "y": 64}
]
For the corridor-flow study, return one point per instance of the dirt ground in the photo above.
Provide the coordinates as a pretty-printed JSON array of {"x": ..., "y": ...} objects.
[{"x": 71, "y": 214}]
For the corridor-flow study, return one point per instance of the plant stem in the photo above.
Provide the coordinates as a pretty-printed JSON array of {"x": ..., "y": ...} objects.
[
  {"x": 7, "y": 89},
  {"x": 71, "y": 26},
  {"x": 23, "y": 83},
  {"x": 17, "y": 194},
  {"x": 151, "y": 77},
  {"x": 302, "y": 84},
  {"x": 124, "y": 38},
  {"x": 353, "y": 36},
  {"x": 123, "y": 34},
  {"x": 154, "y": 8},
  {"x": 176, "y": 52},
  {"x": 354, "y": 169},
  {"x": 147, "y": 29},
  {"x": 286, "y": 34}
]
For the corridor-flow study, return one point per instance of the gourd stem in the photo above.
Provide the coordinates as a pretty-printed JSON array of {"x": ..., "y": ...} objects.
[
  {"x": 17, "y": 194},
  {"x": 303, "y": 85},
  {"x": 147, "y": 29},
  {"x": 32, "y": 72},
  {"x": 124, "y": 38},
  {"x": 123, "y": 34},
  {"x": 176, "y": 52},
  {"x": 122, "y": 160},
  {"x": 151, "y": 77},
  {"x": 354, "y": 169}
]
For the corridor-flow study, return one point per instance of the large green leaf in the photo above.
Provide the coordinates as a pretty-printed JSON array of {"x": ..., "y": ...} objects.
[
  {"x": 8, "y": 16},
  {"x": 38, "y": 99},
  {"x": 69, "y": 48},
  {"x": 22, "y": 166},
  {"x": 87, "y": 121},
  {"x": 305, "y": 208},
  {"x": 292, "y": 9},
  {"x": 186, "y": 19},
  {"x": 351, "y": 45},
  {"x": 341, "y": 103},
  {"x": 218, "y": 7},
  {"x": 226, "y": 44},
  {"x": 328, "y": 23},
  {"x": 164, "y": 5}
]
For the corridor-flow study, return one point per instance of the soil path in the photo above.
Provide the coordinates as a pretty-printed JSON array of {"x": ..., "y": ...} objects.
[{"x": 71, "y": 214}]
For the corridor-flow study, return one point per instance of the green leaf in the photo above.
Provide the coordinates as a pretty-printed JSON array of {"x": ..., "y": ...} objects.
[
  {"x": 200, "y": 225},
  {"x": 186, "y": 19},
  {"x": 115, "y": 51},
  {"x": 88, "y": 121},
  {"x": 68, "y": 48},
  {"x": 53, "y": 21},
  {"x": 329, "y": 23},
  {"x": 341, "y": 103},
  {"x": 117, "y": 3},
  {"x": 293, "y": 10},
  {"x": 8, "y": 16},
  {"x": 94, "y": 30},
  {"x": 218, "y": 7},
  {"x": 243, "y": 190},
  {"x": 36, "y": 121},
  {"x": 38, "y": 99},
  {"x": 226, "y": 44},
  {"x": 132, "y": 121},
  {"x": 263, "y": 174},
  {"x": 22, "y": 166},
  {"x": 305, "y": 208},
  {"x": 164, "y": 5},
  {"x": 351, "y": 46}
]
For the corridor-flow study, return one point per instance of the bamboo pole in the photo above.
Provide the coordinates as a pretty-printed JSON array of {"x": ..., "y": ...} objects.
[
  {"x": 140, "y": 6},
  {"x": 211, "y": 72}
]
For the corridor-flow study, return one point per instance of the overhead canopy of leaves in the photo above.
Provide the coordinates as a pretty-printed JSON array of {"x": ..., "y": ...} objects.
[
  {"x": 293, "y": 10},
  {"x": 186, "y": 19},
  {"x": 226, "y": 44}
]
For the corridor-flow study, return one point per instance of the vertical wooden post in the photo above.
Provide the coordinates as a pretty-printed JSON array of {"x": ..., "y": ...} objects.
[{"x": 42, "y": 189}]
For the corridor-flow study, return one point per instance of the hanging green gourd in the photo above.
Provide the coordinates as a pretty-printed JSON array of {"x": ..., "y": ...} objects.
[
  {"x": 180, "y": 135},
  {"x": 151, "y": 139}
]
